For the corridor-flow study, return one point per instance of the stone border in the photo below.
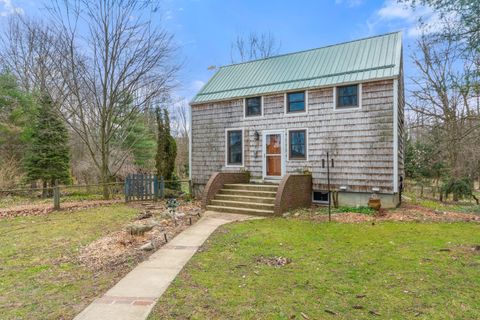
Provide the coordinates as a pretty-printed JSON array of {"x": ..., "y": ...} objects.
[
  {"x": 294, "y": 191},
  {"x": 216, "y": 182}
]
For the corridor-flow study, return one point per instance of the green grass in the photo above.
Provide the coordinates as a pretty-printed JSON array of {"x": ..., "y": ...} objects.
[
  {"x": 398, "y": 267},
  {"x": 39, "y": 275}
]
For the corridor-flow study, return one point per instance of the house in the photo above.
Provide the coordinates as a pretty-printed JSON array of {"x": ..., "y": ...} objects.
[{"x": 268, "y": 120}]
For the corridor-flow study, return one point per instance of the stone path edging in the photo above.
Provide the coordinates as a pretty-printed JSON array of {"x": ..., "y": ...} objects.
[{"x": 134, "y": 296}]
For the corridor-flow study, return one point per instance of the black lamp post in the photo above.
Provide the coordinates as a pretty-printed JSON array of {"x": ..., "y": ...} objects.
[{"x": 332, "y": 164}]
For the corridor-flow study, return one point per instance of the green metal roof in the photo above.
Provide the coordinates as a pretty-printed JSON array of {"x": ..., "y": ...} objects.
[{"x": 359, "y": 60}]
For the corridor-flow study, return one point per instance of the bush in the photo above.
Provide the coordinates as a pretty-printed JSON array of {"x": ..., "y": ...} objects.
[
  {"x": 459, "y": 187},
  {"x": 174, "y": 184}
]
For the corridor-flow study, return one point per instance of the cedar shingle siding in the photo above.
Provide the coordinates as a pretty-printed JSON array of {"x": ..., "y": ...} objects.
[{"x": 360, "y": 140}]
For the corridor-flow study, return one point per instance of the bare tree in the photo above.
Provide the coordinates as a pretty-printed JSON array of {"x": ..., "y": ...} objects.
[
  {"x": 181, "y": 131},
  {"x": 445, "y": 100},
  {"x": 115, "y": 64},
  {"x": 29, "y": 51},
  {"x": 254, "y": 46}
]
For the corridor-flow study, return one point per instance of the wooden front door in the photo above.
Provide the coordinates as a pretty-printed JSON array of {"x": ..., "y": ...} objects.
[{"x": 273, "y": 154}]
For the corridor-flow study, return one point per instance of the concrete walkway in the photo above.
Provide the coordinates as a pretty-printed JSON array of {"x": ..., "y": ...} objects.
[{"x": 134, "y": 296}]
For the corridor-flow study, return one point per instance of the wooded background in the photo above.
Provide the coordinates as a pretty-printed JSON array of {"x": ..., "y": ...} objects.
[{"x": 86, "y": 95}]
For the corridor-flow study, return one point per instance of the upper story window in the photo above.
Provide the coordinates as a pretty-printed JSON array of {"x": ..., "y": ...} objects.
[
  {"x": 234, "y": 147},
  {"x": 253, "y": 107},
  {"x": 347, "y": 96},
  {"x": 296, "y": 102}
]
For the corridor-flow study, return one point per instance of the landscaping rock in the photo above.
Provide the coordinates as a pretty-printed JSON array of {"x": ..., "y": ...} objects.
[
  {"x": 139, "y": 229},
  {"x": 145, "y": 215},
  {"x": 147, "y": 246},
  {"x": 179, "y": 215}
]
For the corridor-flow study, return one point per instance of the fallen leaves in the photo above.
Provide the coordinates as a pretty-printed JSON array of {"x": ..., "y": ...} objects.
[
  {"x": 121, "y": 247},
  {"x": 46, "y": 208},
  {"x": 407, "y": 212}
]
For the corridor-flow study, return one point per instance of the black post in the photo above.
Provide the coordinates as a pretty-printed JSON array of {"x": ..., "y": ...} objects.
[{"x": 328, "y": 183}]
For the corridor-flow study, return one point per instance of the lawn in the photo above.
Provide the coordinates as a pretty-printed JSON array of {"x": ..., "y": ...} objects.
[
  {"x": 40, "y": 277},
  {"x": 386, "y": 270}
]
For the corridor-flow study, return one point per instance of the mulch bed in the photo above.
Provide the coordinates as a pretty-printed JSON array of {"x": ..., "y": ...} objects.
[
  {"x": 120, "y": 247},
  {"x": 406, "y": 212}
]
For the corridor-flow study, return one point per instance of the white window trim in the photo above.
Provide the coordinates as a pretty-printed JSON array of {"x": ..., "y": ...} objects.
[
  {"x": 245, "y": 108},
  {"x": 190, "y": 145},
  {"x": 283, "y": 154},
  {"x": 285, "y": 106},
  {"x": 227, "y": 165},
  {"x": 350, "y": 109},
  {"x": 306, "y": 144},
  {"x": 320, "y": 202},
  {"x": 395, "y": 136}
]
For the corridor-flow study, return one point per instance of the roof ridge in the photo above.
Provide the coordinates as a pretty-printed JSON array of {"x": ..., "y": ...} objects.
[{"x": 313, "y": 49}]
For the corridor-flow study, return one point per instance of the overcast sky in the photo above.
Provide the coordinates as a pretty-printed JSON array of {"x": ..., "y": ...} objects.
[{"x": 204, "y": 29}]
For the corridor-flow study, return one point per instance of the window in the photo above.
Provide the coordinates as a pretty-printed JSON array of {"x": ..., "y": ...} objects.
[
  {"x": 235, "y": 147},
  {"x": 253, "y": 107},
  {"x": 347, "y": 96},
  {"x": 320, "y": 196},
  {"x": 297, "y": 144},
  {"x": 296, "y": 102}
]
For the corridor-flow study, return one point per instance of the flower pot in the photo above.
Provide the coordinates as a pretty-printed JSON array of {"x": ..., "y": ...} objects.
[{"x": 375, "y": 204}]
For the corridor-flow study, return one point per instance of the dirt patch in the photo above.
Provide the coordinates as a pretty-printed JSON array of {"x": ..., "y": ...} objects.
[
  {"x": 274, "y": 261},
  {"x": 121, "y": 247},
  {"x": 46, "y": 208},
  {"x": 466, "y": 249}
]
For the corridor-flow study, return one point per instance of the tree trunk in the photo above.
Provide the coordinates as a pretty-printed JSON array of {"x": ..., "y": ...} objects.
[
  {"x": 52, "y": 184},
  {"x": 105, "y": 180},
  {"x": 104, "y": 162}
]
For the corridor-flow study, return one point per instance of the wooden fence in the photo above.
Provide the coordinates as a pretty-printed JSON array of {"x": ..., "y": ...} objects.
[{"x": 141, "y": 187}]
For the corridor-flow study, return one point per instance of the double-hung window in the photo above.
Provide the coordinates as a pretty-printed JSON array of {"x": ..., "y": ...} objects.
[
  {"x": 297, "y": 140},
  {"x": 296, "y": 102},
  {"x": 253, "y": 107},
  {"x": 234, "y": 147},
  {"x": 348, "y": 97}
]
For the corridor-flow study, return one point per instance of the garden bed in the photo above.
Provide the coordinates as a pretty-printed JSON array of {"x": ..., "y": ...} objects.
[{"x": 406, "y": 212}]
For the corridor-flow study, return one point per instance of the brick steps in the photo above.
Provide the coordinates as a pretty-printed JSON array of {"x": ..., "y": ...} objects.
[
  {"x": 243, "y": 204},
  {"x": 230, "y": 197},
  {"x": 251, "y": 193},
  {"x": 255, "y": 199},
  {"x": 255, "y": 212},
  {"x": 251, "y": 187}
]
